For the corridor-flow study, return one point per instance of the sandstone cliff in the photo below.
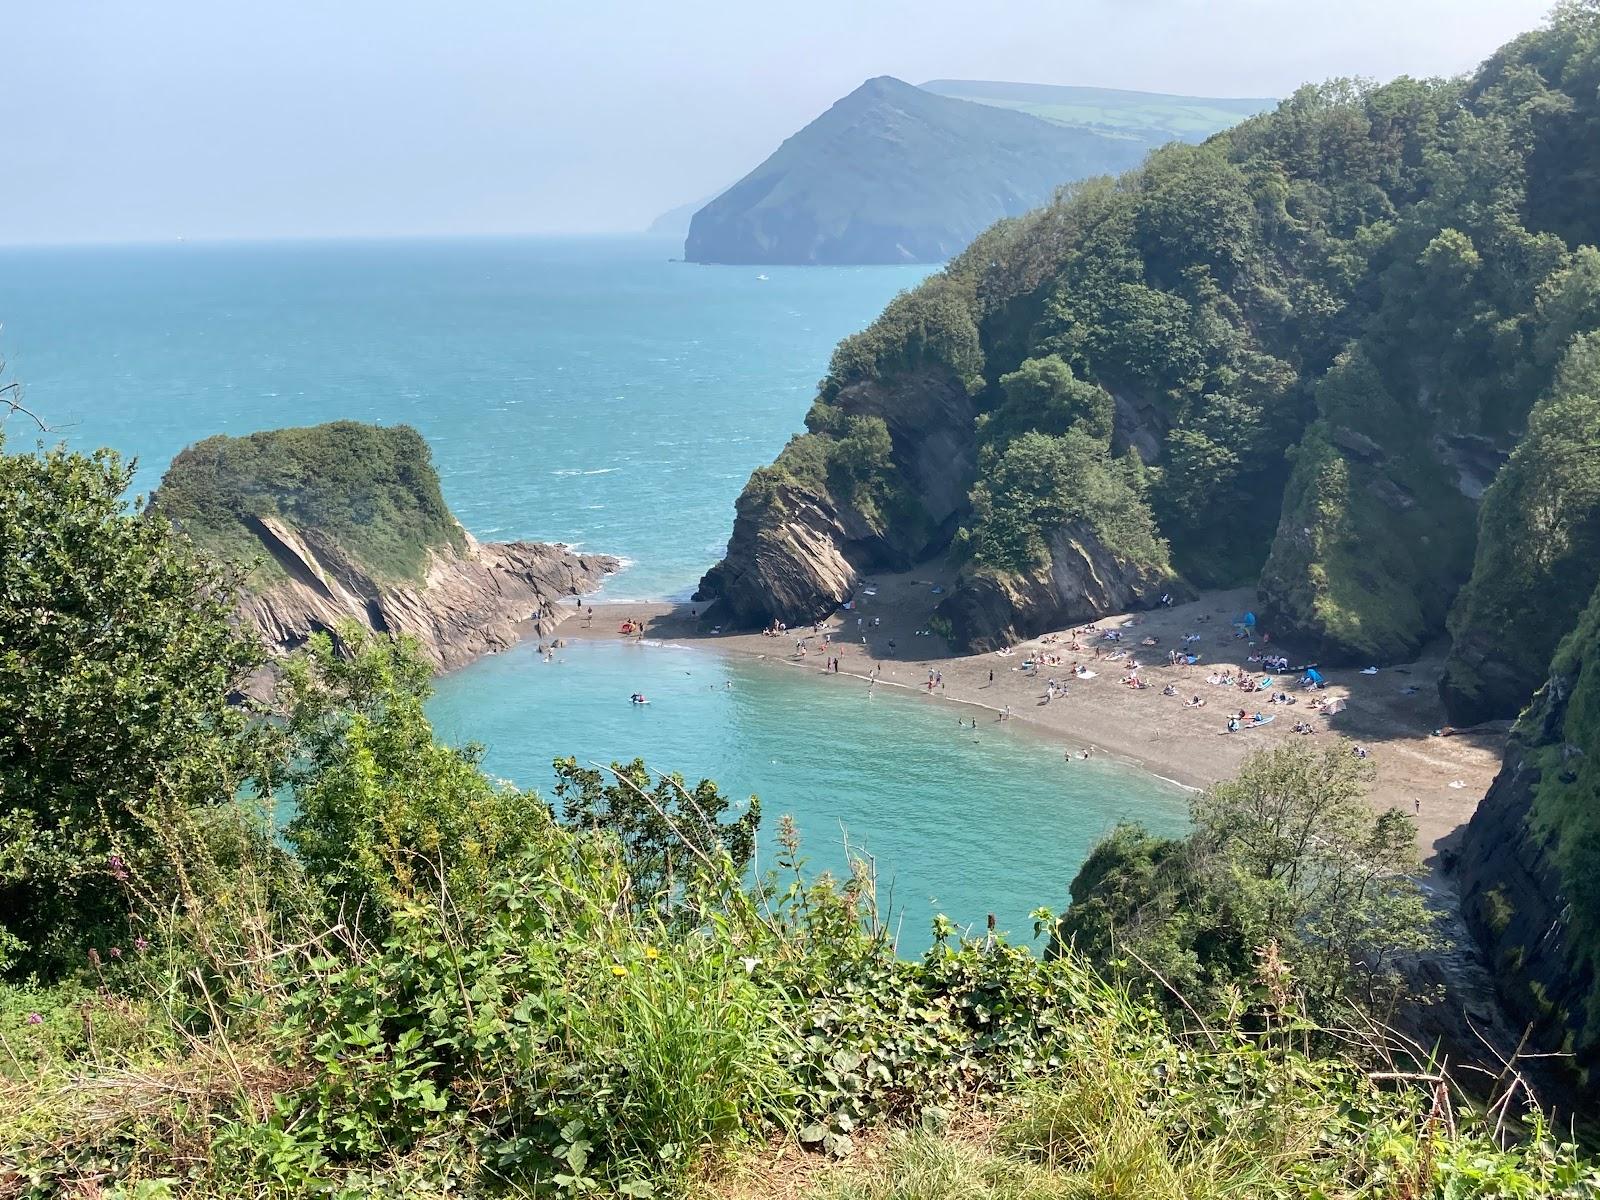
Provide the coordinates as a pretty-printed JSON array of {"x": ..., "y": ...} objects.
[
  {"x": 470, "y": 602},
  {"x": 346, "y": 521},
  {"x": 1082, "y": 581}
]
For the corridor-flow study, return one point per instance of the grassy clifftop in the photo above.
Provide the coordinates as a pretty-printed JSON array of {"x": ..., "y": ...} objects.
[{"x": 372, "y": 491}]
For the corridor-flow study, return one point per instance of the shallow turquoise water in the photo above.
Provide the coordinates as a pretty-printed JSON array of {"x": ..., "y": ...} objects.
[
  {"x": 960, "y": 822},
  {"x": 592, "y": 392}
]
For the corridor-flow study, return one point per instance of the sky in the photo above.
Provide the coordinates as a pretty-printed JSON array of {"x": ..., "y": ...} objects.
[{"x": 125, "y": 121}]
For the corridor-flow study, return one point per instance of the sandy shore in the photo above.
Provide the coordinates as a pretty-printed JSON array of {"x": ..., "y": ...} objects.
[{"x": 1392, "y": 713}]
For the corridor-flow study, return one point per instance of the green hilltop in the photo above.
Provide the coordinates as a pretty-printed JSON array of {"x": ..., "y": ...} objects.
[
  {"x": 893, "y": 173},
  {"x": 1148, "y": 117},
  {"x": 370, "y": 491}
]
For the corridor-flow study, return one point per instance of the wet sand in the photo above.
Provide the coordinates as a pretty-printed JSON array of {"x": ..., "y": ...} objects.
[{"x": 1392, "y": 713}]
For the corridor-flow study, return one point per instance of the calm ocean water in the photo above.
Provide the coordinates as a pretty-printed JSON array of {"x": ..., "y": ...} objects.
[{"x": 592, "y": 392}]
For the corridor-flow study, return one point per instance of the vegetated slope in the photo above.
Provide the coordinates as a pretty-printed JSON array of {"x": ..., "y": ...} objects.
[
  {"x": 892, "y": 173},
  {"x": 1530, "y": 861},
  {"x": 346, "y": 521},
  {"x": 372, "y": 491},
  {"x": 1149, "y": 117},
  {"x": 1320, "y": 334}
]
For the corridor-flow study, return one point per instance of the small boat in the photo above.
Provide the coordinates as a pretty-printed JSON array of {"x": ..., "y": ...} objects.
[{"x": 762, "y": 278}]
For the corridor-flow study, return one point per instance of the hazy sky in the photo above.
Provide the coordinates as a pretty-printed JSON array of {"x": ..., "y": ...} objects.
[{"x": 224, "y": 118}]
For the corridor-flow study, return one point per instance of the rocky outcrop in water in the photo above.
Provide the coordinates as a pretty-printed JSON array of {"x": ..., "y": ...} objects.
[
  {"x": 471, "y": 601},
  {"x": 346, "y": 522}
]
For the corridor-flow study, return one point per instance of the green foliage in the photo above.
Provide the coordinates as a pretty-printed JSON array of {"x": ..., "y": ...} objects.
[
  {"x": 1037, "y": 485},
  {"x": 117, "y": 658},
  {"x": 1538, "y": 557},
  {"x": 930, "y": 328},
  {"x": 1043, "y": 395},
  {"x": 371, "y": 492},
  {"x": 667, "y": 833},
  {"x": 384, "y": 815},
  {"x": 1374, "y": 537},
  {"x": 520, "y": 1021},
  {"x": 1287, "y": 855}
]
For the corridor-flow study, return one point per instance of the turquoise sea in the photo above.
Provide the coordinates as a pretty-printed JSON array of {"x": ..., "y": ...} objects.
[{"x": 593, "y": 392}]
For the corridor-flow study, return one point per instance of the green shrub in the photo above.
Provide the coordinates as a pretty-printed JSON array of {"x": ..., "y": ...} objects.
[{"x": 117, "y": 657}]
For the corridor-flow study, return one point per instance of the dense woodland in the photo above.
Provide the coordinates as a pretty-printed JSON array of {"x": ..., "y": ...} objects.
[{"x": 1320, "y": 333}]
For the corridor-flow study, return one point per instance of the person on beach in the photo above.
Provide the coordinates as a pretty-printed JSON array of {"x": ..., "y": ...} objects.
[{"x": 991, "y": 675}]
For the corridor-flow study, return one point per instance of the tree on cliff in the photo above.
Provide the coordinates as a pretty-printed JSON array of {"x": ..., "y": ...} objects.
[
  {"x": 117, "y": 658},
  {"x": 1287, "y": 853}
]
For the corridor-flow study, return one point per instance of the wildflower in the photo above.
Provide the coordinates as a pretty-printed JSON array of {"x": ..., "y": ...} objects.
[
  {"x": 651, "y": 952},
  {"x": 750, "y": 963},
  {"x": 141, "y": 944},
  {"x": 118, "y": 868},
  {"x": 116, "y": 952},
  {"x": 35, "y": 1019},
  {"x": 619, "y": 970},
  {"x": 94, "y": 958}
]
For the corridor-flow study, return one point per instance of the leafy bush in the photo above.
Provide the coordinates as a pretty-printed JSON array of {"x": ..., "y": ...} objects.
[
  {"x": 1037, "y": 484},
  {"x": 930, "y": 327},
  {"x": 1288, "y": 854},
  {"x": 383, "y": 814},
  {"x": 117, "y": 657}
]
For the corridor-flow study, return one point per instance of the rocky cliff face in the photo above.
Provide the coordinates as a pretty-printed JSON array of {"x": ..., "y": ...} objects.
[
  {"x": 799, "y": 546},
  {"x": 1082, "y": 581},
  {"x": 1528, "y": 862},
  {"x": 793, "y": 557},
  {"x": 470, "y": 602}
]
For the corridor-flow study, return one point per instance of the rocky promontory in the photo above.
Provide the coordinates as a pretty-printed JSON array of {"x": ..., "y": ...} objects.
[
  {"x": 473, "y": 600},
  {"x": 346, "y": 522}
]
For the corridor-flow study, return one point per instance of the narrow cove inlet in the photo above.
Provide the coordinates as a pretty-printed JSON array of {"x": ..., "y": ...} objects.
[{"x": 958, "y": 821}]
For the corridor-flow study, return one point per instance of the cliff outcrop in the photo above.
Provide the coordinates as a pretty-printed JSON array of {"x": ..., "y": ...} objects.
[
  {"x": 1082, "y": 580},
  {"x": 1529, "y": 864},
  {"x": 343, "y": 522},
  {"x": 473, "y": 600}
]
